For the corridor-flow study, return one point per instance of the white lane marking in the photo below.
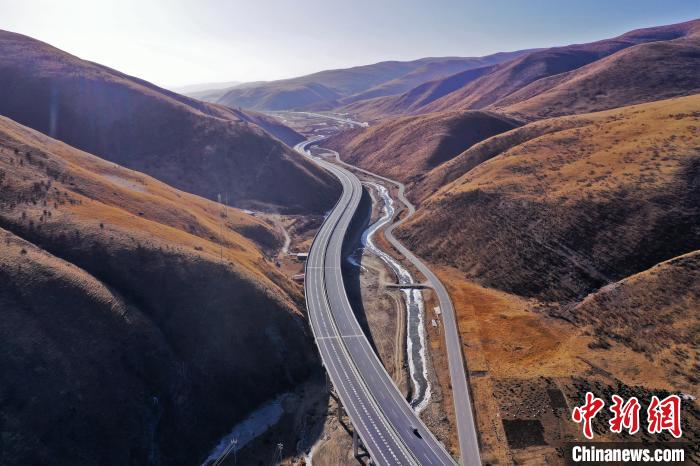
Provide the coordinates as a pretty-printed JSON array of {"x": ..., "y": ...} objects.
[
  {"x": 340, "y": 336},
  {"x": 317, "y": 300},
  {"x": 390, "y": 387},
  {"x": 333, "y": 368},
  {"x": 344, "y": 220}
]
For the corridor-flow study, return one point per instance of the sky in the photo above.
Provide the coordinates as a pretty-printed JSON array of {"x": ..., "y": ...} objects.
[{"x": 179, "y": 42}]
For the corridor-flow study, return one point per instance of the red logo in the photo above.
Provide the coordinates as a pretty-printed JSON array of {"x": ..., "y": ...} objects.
[
  {"x": 661, "y": 415},
  {"x": 665, "y": 415},
  {"x": 625, "y": 415},
  {"x": 585, "y": 414}
]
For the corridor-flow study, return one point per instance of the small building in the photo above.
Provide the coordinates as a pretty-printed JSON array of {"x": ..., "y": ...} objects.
[
  {"x": 298, "y": 277},
  {"x": 437, "y": 310},
  {"x": 434, "y": 323},
  {"x": 301, "y": 256}
]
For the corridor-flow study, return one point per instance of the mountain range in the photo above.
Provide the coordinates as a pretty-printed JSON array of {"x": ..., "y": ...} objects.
[{"x": 329, "y": 89}]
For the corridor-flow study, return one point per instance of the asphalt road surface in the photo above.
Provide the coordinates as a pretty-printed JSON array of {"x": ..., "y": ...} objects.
[
  {"x": 466, "y": 426},
  {"x": 381, "y": 415}
]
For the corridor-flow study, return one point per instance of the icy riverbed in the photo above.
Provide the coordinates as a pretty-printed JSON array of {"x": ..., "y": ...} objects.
[
  {"x": 415, "y": 325},
  {"x": 256, "y": 424}
]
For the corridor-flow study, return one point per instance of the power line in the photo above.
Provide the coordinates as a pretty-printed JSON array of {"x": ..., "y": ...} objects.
[{"x": 277, "y": 459}]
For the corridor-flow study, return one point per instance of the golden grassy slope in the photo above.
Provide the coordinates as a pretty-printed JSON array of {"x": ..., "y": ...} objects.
[
  {"x": 552, "y": 211},
  {"x": 114, "y": 294},
  {"x": 118, "y": 197},
  {"x": 581, "y": 202},
  {"x": 655, "y": 312}
]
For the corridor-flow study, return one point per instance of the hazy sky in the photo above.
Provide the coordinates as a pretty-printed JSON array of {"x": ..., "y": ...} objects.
[{"x": 176, "y": 42}]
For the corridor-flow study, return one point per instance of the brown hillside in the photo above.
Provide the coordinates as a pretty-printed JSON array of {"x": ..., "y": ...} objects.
[
  {"x": 641, "y": 73},
  {"x": 430, "y": 182},
  {"x": 121, "y": 322},
  {"x": 655, "y": 312},
  {"x": 404, "y": 148},
  {"x": 516, "y": 74},
  {"x": 192, "y": 145},
  {"x": 319, "y": 90},
  {"x": 580, "y": 204},
  {"x": 415, "y": 98},
  {"x": 272, "y": 125},
  {"x": 331, "y": 88},
  {"x": 431, "y": 70},
  {"x": 282, "y": 95}
]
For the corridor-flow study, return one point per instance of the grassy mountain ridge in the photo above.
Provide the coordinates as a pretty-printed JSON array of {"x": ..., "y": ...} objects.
[
  {"x": 641, "y": 73},
  {"x": 518, "y": 73},
  {"x": 591, "y": 200},
  {"x": 576, "y": 78},
  {"x": 196, "y": 146},
  {"x": 333, "y": 88},
  {"x": 654, "y": 312},
  {"x": 431, "y": 71},
  {"x": 132, "y": 318},
  {"x": 415, "y": 98}
]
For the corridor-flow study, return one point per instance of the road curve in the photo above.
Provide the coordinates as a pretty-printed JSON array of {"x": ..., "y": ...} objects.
[
  {"x": 466, "y": 425},
  {"x": 381, "y": 415}
]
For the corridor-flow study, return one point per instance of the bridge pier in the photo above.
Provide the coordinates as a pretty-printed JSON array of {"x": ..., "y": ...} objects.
[
  {"x": 339, "y": 405},
  {"x": 355, "y": 441},
  {"x": 340, "y": 412},
  {"x": 358, "y": 449}
]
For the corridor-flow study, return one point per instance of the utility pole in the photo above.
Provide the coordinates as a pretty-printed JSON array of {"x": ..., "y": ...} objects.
[{"x": 233, "y": 446}]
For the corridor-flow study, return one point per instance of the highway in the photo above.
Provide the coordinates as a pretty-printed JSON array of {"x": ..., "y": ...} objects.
[
  {"x": 380, "y": 414},
  {"x": 466, "y": 425}
]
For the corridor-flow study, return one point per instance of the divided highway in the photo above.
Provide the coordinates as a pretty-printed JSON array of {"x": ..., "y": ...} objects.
[
  {"x": 389, "y": 428},
  {"x": 466, "y": 426}
]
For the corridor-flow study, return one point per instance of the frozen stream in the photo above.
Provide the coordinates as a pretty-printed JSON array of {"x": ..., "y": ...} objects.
[
  {"x": 256, "y": 424},
  {"x": 415, "y": 325}
]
